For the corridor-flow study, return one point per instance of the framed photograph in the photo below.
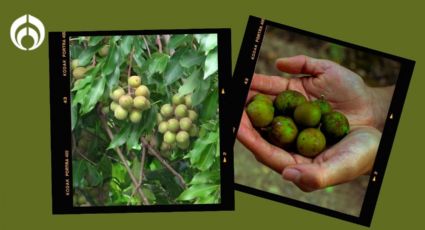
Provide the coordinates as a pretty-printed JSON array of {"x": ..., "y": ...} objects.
[
  {"x": 315, "y": 119},
  {"x": 137, "y": 121}
]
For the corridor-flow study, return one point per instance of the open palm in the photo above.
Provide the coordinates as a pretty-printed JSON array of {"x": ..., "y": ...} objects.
[{"x": 347, "y": 93}]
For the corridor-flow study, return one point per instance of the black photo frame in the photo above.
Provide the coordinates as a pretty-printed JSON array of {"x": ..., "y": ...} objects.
[
  {"x": 61, "y": 162},
  {"x": 244, "y": 70}
]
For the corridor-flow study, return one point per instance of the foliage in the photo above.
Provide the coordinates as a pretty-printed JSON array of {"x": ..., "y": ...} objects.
[{"x": 167, "y": 64}]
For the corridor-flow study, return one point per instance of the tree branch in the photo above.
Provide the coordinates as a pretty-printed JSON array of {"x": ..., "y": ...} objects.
[
  {"x": 122, "y": 158},
  {"x": 147, "y": 46},
  {"x": 156, "y": 154},
  {"x": 158, "y": 42}
]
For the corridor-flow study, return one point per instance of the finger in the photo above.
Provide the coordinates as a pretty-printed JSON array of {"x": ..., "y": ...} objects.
[
  {"x": 270, "y": 155},
  {"x": 351, "y": 157},
  {"x": 302, "y": 64},
  {"x": 271, "y": 85}
]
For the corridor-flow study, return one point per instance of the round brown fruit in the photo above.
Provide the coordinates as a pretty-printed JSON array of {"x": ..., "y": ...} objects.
[
  {"x": 177, "y": 99},
  {"x": 307, "y": 114},
  {"x": 79, "y": 72},
  {"x": 262, "y": 97},
  {"x": 311, "y": 142},
  {"x": 114, "y": 105},
  {"x": 324, "y": 106},
  {"x": 192, "y": 115},
  {"x": 117, "y": 93},
  {"x": 180, "y": 111},
  {"x": 182, "y": 137},
  {"x": 135, "y": 116},
  {"x": 134, "y": 81},
  {"x": 126, "y": 101},
  {"x": 140, "y": 102},
  {"x": 185, "y": 123},
  {"x": 188, "y": 100},
  {"x": 142, "y": 91},
  {"x": 163, "y": 127},
  {"x": 167, "y": 111},
  {"x": 260, "y": 113},
  {"x": 120, "y": 113},
  {"x": 75, "y": 63},
  {"x": 286, "y": 102},
  {"x": 159, "y": 118},
  {"x": 193, "y": 132},
  {"x": 283, "y": 131},
  {"x": 173, "y": 125},
  {"x": 104, "y": 51},
  {"x": 169, "y": 137},
  {"x": 335, "y": 126}
]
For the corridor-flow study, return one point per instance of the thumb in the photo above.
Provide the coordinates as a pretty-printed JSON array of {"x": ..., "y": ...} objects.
[
  {"x": 308, "y": 177},
  {"x": 302, "y": 64}
]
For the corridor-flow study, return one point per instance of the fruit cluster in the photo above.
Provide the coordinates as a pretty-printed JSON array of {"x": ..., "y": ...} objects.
[
  {"x": 130, "y": 104},
  {"x": 293, "y": 121},
  {"x": 176, "y": 122},
  {"x": 78, "y": 71}
]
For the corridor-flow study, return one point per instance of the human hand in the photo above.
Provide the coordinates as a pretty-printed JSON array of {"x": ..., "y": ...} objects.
[{"x": 346, "y": 92}]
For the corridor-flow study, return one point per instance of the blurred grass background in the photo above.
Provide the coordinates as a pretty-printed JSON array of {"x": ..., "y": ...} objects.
[{"x": 375, "y": 70}]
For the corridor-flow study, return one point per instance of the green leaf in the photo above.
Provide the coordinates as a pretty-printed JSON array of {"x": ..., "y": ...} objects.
[
  {"x": 119, "y": 173},
  {"x": 81, "y": 95},
  {"x": 113, "y": 79},
  {"x": 202, "y": 90},
  {"x": 208, "y": 42},
  {"x": 82, "y": 83},
  {"x": 206, "y": 177},
  {"x": 158, "y": 63},
  {"x": 93, "y": 177},
  {"x": 190, "y": 58},
  {"x": 191, "y": 83},
  {"x": 177, "y": 40},
  {"x": 173, "y": 72},
  {"x": 126, "y": 44},
  {"x": 207, "y": 158},
  {"x": 105, "y": 167},
  {"x": 111, "y": 60},
  {"x": 210, "y": 105},
  {"x": 133, "y": 139},
  {"x": 87, "y": 55},
  {"x": 79, "y": 169},
  {"x": 74, "y": 116},
  {"x": 94, "y": 40},
  {"x": 211, "y": 64},
  {"x": 94, "y": 95},
  {"x": 121, "y": 137},
  {"x": 197, "y": 191}
]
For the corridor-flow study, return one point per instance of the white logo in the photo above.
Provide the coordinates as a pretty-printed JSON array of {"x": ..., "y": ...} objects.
[{"x": 27, "y": 25}]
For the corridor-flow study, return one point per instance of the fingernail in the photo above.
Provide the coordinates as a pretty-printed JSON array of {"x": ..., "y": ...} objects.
[{"x": 291, "y": 174}]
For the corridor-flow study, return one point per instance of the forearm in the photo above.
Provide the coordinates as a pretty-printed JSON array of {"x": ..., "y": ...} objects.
[{"x": 382, "y": 97}]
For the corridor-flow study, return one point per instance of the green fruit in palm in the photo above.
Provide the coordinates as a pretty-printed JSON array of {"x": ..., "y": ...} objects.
[
  {"x": 169, "y": 137},
  {"x": 192, "y": 115},
  {"x": 193, "y": 132},
  {"x": 262, "y": 97},
  {"x": 260, "y": 113},
  {"x": 182, "y": 137},
  {"x": 311, "y": 142},
  {"x": 324, "y": 106},
  {"x": 75, "y": 63},
  {"x": 180, "y": 111},
  {"x": 142, "y": 91},
  {"x": 307, "y": 114},
  {"x": 185, "y": 123},
  {"x": 163, "y": 127},
  {"x": 173, "y": 125},
  {"x": 188, "y": 100},
  {"x": 117, "y": 93},
  {"x": 283, "y": 131},
  {"x": 335, "y": 126},
  {"x": 134, "y": 81},
  {"x": 135, "y": 116},
  {"x": 113, "y": 105},
  {"x": 120, "y": 113},
  {"x": 104, "y": 51},
  {"x": 140, "y": 102},
  {"x": 167, "y": 111},
  {"x": 79, "y": 72},
  {"x": 177, "y": 99},
  {"x": 126, "y": 101},
  {"x": 286, "y": 102}
]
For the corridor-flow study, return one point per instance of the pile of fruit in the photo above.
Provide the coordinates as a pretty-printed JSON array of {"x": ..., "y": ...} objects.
[
  {"x": 296, "y": 124},
  {"x": 130, "y": 104},
  {"x": 176, "y": 122}
]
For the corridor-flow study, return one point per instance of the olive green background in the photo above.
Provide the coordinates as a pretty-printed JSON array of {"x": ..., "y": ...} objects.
[{"x": 25, "y": 192}]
